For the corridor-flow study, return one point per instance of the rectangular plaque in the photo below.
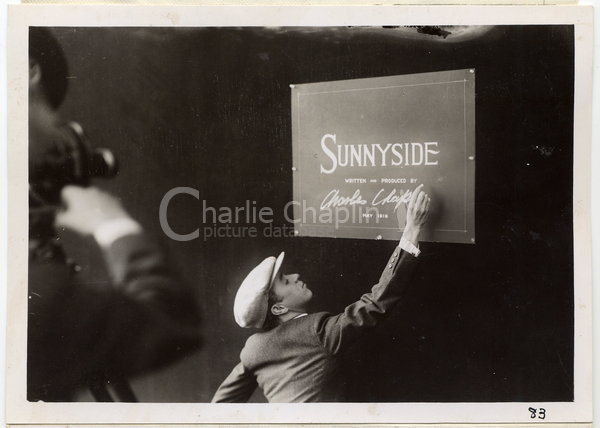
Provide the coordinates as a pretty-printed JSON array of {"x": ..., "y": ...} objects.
[{"x": 360, "y": 147}]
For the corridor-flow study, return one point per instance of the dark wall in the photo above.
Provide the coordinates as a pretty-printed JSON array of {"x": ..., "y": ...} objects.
[{"x": 210, "y": 109}]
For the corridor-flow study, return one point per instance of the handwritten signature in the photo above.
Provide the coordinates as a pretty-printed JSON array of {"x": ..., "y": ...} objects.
[{"x": 335, "y": 199}]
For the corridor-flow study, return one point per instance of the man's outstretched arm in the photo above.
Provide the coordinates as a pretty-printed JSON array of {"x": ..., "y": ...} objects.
[{"x": 338, "y": 331}]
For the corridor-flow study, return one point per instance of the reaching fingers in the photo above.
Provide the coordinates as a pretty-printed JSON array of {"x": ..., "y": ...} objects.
[
  {"x": 414, "y": 196},
  {"x": 420, "y": 200},
  {"x": 421, "y": 208},
  {"x": 426, "y": 208}
]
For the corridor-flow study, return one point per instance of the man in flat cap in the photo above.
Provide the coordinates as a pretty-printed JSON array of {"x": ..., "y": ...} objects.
[{"x": 296, "y": 358}]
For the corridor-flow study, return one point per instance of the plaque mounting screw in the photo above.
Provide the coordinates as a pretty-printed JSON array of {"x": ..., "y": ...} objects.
[
  {"x": 471, "y": 157},
  {"x": 294, "y": 168},
  {"x": 379, "y": 237},
  {"x": 472, "y": 71}
]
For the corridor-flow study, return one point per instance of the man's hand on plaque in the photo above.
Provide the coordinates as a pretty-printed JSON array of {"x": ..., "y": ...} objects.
[{"x": 417, "y": 211}]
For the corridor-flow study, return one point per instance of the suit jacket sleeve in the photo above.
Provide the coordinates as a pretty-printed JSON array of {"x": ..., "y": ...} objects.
[
  {"x": 338, "y": 331},
  {"x": 237, "y": 387},
  {"x": 146, "y": 319}
]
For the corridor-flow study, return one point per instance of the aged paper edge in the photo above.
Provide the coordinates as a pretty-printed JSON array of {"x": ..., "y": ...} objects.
[
  {"x": 307, "y": 2},
  {"x": 568, "y": 425},
  {"x": 20, "y": 411}
]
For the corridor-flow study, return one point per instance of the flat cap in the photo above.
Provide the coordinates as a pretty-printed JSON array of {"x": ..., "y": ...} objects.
[{"x": 251, "y": 300}]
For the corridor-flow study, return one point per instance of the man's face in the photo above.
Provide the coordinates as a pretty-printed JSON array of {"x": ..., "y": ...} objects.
[{"x": 293, "y": 293}]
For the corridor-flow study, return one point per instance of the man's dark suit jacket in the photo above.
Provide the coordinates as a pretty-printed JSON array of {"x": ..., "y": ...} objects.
[
  {"x": 298, "y": 361},
  {"x": 79, "y": 334}
]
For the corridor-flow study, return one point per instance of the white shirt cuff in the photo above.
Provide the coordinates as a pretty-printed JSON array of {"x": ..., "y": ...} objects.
[
  {"x": 110, "y": 231},
  {"x": 408, "y": 246}
]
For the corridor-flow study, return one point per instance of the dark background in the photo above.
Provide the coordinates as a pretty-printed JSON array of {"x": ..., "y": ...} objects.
[{"x": 210, "y": 109}]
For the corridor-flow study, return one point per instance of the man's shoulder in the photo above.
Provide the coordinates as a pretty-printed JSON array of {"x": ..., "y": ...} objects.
[
  {"x": 298, "y": 333},
  {"x": 306, "y": 323},
  {"x": 318, "y": 317}
]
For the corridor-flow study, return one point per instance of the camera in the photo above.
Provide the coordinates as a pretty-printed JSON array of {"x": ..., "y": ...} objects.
[{"x": 69, "y": 159}]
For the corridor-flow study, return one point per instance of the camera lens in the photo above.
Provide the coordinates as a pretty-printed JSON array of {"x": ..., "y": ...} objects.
[
  {"x": 97, "y": 162},
  {"x": 103, "y": 163},
  {"x": 69, "y": 159}
]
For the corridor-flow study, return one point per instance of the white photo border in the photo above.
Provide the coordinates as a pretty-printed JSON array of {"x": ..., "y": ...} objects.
[{"x": 19, "y": 410}]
